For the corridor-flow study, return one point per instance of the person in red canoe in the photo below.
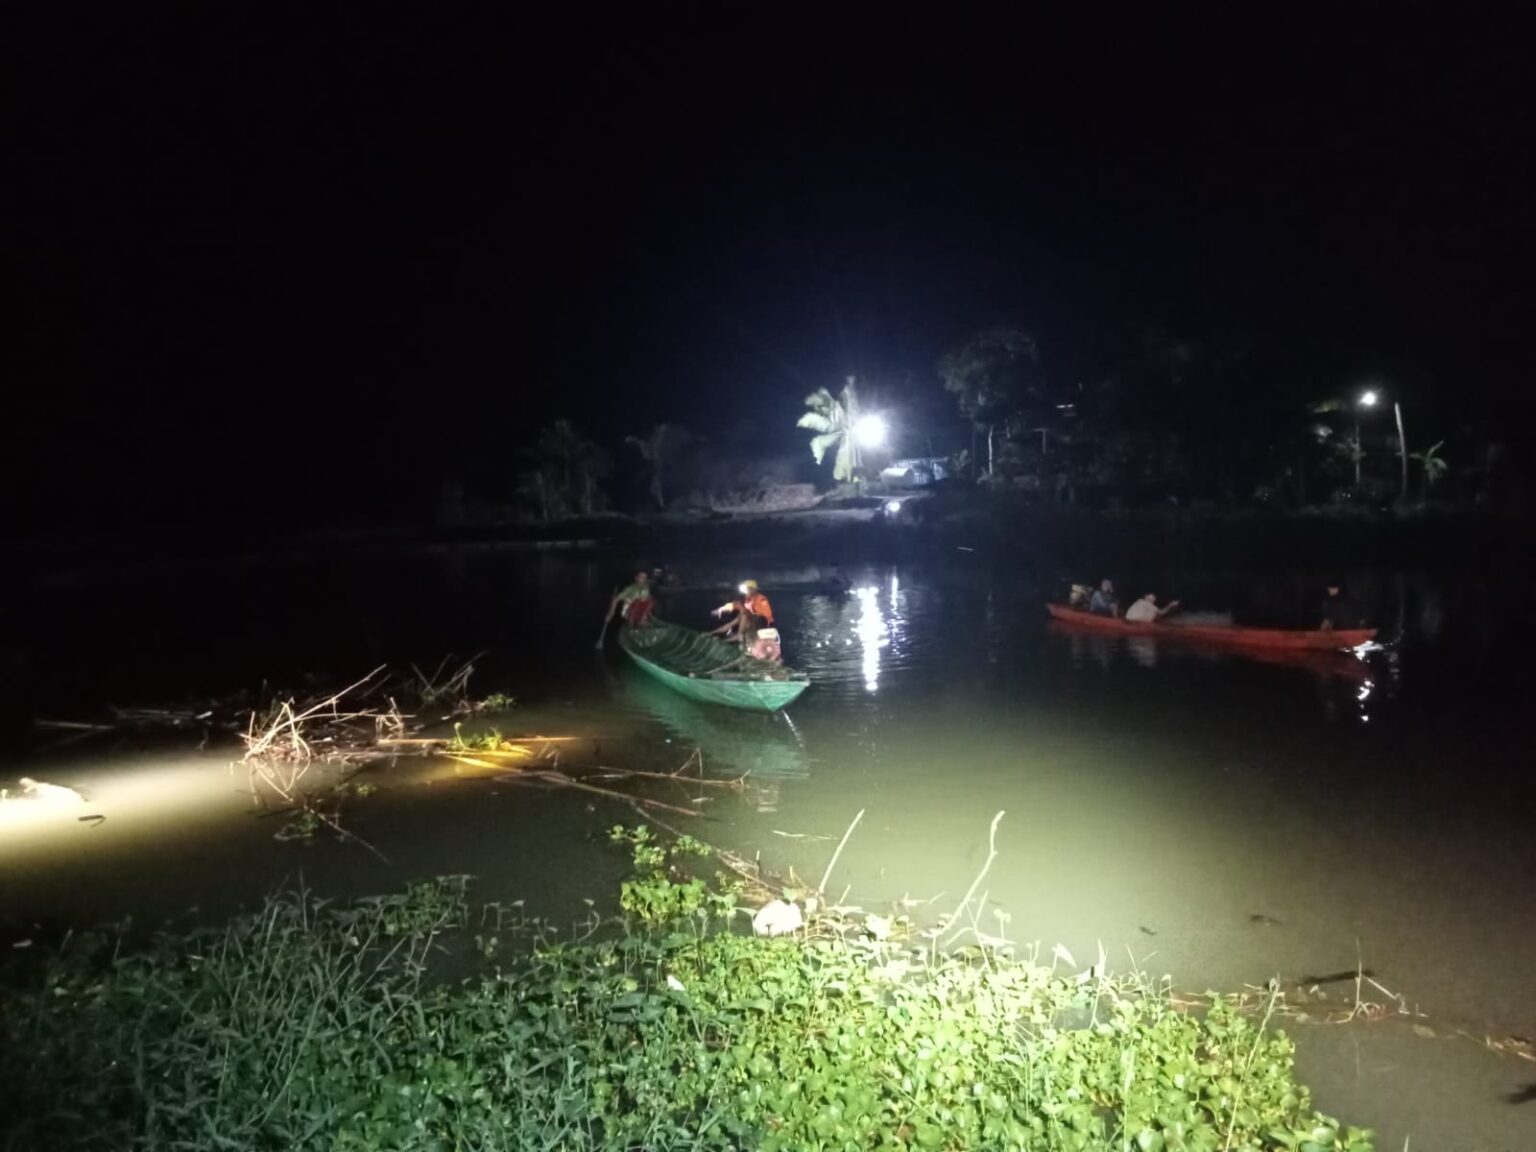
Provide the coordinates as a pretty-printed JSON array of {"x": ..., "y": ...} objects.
[
  {"x": 1103, "y": 602},
  {"x": 1338, "y": 610},
  {"x": 1146, "y": 611},
  {"x": 637, "y": 601}
]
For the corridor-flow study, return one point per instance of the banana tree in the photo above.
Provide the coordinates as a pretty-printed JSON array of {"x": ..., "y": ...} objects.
[{"x": 1434, "y": 465}]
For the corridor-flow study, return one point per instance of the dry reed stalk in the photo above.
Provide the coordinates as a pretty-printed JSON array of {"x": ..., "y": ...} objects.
[
  {"x": 283, "y": 732},
  {"x": 832, "y": 863},
  {"x": 676, "y": 777},
  {"x": 455, "y": 687},
  {"x": 980, "y": 876},
  {"x": 562, "y": 779}
]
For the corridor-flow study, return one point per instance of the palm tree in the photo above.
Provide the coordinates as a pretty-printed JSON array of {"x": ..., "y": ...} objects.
[
  {"x": 833, "y": 418},
  {"x": 659, "y": 449}
]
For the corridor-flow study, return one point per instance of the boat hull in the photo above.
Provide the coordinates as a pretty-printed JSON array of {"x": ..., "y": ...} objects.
[
  {"x": 1294, "y": 640},
  {"x": 708, "y": 670}
]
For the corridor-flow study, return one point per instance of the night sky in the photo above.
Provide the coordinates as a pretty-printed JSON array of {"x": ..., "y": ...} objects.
[{"x": 319, "y": 258}]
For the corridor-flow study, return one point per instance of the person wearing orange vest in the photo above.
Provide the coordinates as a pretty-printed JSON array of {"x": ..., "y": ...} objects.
[
  {"x": 757, "y": 604},
  {"x": 751, "y": 623},
  {"x": 753, "y": 608}
]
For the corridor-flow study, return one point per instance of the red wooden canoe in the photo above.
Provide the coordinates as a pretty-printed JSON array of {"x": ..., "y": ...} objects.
[{"x": 1216, "y": 633}]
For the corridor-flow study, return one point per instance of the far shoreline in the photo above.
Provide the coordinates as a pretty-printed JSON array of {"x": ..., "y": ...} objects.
[{"x": 991, "y": 526}]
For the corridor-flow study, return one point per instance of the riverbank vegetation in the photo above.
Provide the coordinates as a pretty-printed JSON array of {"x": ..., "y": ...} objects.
[
  {"x": 415, "y": 1021},
  {"x": 1140, "y": 422}
]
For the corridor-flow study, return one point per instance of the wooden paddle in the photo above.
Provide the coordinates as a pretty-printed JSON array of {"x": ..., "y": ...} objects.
[{"x": 603, "y": 635}]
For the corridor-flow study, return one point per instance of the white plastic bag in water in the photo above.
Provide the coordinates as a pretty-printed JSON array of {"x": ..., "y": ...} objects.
[{"x": 777, "y": 918}]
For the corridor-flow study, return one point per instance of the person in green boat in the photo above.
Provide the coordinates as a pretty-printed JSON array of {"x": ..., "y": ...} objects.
[
  {"x": 759, "y": 643},
  {"x": 636, "y": 599},
  {"x": 751, "y": 622},
  {"x": 735, "y": 623},
  {"x": 750, "y": 608}
]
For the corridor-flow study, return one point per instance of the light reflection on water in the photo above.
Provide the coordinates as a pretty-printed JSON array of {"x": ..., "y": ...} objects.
[
  {"x": 872, "y": 634},
  {"x": 1147, "y": 786}
]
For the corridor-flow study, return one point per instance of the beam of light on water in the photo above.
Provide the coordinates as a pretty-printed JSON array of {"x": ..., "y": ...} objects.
[{"x": 148, "y": 799}]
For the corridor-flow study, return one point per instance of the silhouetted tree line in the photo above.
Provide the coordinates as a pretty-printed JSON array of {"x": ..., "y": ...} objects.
[
  {"x": 1163, "y": 420},
  {"x": 1180, "y": 420}
]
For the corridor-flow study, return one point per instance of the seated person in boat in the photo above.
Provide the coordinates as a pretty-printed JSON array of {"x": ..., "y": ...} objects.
[
  {"x": 1103, "y": 602},
  {"x": 759, "y": 643},
  {"x": 1146, "y": 611},
  {"x": 1338, "y": 610},
  {"x": 763, "y": 644},
  {"x": 636, "y": 599}
]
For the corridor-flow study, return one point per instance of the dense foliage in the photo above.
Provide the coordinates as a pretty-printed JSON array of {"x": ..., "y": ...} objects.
[
  {"x": 313, "y": 1026},
  {"x": 834, "y": 419}
]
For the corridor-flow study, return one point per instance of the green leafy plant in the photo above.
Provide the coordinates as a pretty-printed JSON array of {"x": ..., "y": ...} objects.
[
  {"x": 328, "y": 1026},
  {"x": 663, "y": 889},
  {"x": 491, "y": 740},
  {"x": 302, "y": 825}
]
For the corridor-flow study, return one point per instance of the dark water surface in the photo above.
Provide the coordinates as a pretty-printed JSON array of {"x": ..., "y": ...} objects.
[{"x": 1222, "y": 819}]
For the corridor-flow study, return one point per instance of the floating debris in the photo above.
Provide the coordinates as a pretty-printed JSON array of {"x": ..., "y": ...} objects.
[{"x": 777, "y": 918}]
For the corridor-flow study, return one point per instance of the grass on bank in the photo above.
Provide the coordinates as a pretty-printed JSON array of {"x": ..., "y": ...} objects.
[{"x": 311, "y": 1025}]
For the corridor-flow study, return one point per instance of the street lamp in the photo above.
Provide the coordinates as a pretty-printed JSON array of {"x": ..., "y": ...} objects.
[
  {"x": 1368, "y": 399},
  {"x": 870, "y": 431}
]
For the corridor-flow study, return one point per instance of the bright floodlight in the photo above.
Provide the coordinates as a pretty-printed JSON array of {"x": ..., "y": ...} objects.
[
  {"x": 871, "y": 431},
  {"x": 892, "y": 507},
  {"x": 1368, "y": 399}
]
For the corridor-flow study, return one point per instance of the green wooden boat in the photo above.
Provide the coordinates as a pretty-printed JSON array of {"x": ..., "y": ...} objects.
[{"x": 704, "y": 668}]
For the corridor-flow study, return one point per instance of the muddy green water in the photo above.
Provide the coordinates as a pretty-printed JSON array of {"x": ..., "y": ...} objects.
[{"x": 1198, "y": 813}]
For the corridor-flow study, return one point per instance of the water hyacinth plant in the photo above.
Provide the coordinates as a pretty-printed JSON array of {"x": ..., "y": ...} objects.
[{"x": 324, "y": 1026}]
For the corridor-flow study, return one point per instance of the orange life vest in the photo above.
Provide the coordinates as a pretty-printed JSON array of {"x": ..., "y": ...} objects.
[{"x": 757, "y": 604}]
